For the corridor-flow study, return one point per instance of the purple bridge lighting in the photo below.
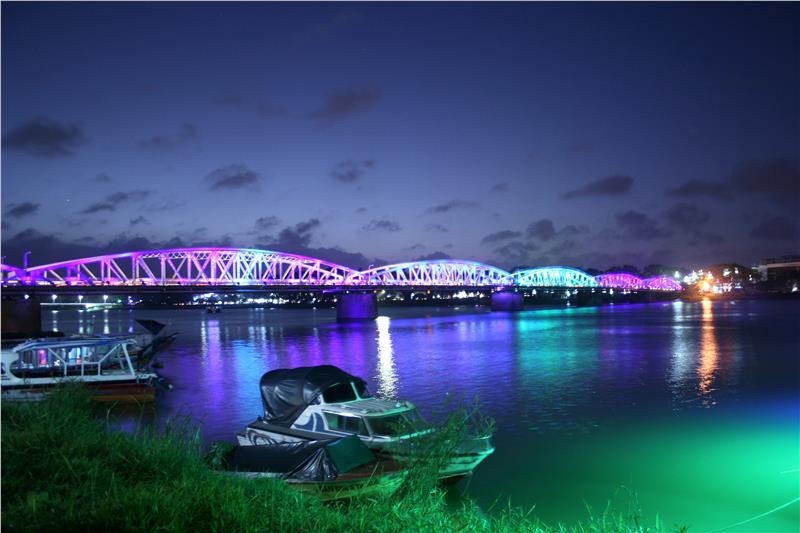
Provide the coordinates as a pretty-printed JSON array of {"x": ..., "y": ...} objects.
[{"x": 240, "y": 267}]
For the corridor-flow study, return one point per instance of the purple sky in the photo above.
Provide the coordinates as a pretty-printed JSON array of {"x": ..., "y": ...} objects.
[{"x": 517, "y": 134}]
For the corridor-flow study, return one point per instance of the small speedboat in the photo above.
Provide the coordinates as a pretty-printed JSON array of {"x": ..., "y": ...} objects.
[
  {"x": 324, "y": 402},
  {"x": 333, "y": 469}
]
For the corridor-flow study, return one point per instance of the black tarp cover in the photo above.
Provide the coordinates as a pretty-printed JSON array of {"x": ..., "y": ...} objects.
[
  {"x": 314, "y": 460},
  {"x": 286, "y": 392}
]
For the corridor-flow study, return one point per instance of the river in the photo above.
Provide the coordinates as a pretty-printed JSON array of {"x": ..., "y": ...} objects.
[{"x": 688, "y": 410}]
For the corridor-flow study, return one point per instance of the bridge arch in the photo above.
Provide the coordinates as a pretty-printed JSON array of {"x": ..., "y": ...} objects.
[
  {"x": 662, "y": 283},
  {"x": 554, "y": 276},
  {"x": 440, "y": 273},
  {"x": 620, "y": 280},
  {"x": 188, "y": 266}
]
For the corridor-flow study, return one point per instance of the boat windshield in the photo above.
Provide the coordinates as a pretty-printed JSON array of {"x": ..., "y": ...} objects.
[
  {"x": 396, "y": 425},
  {"x": 345, "y": 392}
]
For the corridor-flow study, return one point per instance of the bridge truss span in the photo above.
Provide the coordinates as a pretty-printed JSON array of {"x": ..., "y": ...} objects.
[
  {"x": 192, "y": 266},
  {"x": 620, "y": 280},
  {"x": 662, "y": 283},
  {"x": 438, "y": 273},
  {"x": 555, "y": 276}
]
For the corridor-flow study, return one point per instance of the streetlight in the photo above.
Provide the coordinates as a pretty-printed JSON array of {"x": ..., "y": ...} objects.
[
  {"x": 25, "y": 260},
  {"x": 80, "y": 298},
  {"x": 105, "y": 298},
  {"x": 53, "y": 296}
]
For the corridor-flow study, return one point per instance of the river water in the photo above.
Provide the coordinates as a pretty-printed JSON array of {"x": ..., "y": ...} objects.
[{"x": 686, "y": 410}]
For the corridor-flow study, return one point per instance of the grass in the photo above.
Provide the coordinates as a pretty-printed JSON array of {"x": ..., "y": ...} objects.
[{"x": 63, "y": 470}]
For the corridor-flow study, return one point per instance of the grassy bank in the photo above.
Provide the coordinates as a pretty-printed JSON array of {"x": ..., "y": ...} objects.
[{"x": 62, "y": 470}]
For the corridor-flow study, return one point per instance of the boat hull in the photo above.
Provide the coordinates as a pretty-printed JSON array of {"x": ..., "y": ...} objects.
[
  {"x": 465, "y": 459},
  {"x": 119, "y": 392}
]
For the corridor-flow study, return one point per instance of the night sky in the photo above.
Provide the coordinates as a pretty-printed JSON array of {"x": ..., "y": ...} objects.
[{"x": 586, "y": 135}]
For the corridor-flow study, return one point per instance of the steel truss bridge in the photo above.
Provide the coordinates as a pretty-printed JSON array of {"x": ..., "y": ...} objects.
[{"x": 243, "y": 269}]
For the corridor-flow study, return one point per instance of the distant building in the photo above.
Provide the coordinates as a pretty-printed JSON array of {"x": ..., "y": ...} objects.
[{"x": 780, "y": 268}]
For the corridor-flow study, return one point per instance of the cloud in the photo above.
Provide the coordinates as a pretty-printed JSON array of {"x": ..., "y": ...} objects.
[
  {"x": 435, "y": 256},
  {"x": 298, "y": 235},
  {"x": 343, "y": 104},
  {"x": 608, "y": 186},
  {"x": 270, "y": 110},
  {"x": 165, "y": 205},
  {"x": 778, "y": 179},
  {"x": 700, "y": 188},
  {"x": 778, "y": 228},
  {"x": 139, "y": 220},
  {"x": 516, "y": 252},
  {"x": 687, "y": 217},
  {"x": 449, "y": 206},
  {"x": 188, "y": 132},
  {"x": 43, "y": 137},
  {"x": 233, "y": 100},
  {"x": 542, "y": 229},
  {"x": 350, "y": 171},
  {"x": 112, "y": 201},
  {"x": 502, "y": 235},
  {"x": 381, "y": 225},
  {"x": 266, "y": 223},
  {"x": 102, "y": 178},
  {"x": 231, "y": 178},
  {"x": 21, "y": 210},
  {"x": 436, "y": 228},
  {"x": 503, "y": 186},
  {"x": 361, "y": 210},
  {"x": 639, "y": 226},
  {"x": 414, "y": 247},
  {"x": 578, "y": 148}
]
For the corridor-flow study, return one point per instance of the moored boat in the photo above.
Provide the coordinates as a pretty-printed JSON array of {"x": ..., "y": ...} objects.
[
  {"x": 323, "y": 402},
  {"x": 104, "y": 364}
]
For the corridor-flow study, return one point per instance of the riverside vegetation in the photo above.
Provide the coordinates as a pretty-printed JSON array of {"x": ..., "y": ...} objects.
[{"x": 63, "y": 469}]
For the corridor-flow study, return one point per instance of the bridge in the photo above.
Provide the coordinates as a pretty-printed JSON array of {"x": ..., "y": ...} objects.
[{"x": 240, "y": 269}]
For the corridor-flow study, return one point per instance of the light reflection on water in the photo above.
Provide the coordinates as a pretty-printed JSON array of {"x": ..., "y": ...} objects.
[
  {"x": 708, "y": 355},
  {"x": 656, "y": 397}
]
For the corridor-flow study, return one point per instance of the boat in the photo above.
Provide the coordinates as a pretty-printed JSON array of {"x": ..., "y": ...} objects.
[
  {"x": 331, "y": 469},
  {"x": 323, "y": 402},
  {"x": 30, "y": 369}
]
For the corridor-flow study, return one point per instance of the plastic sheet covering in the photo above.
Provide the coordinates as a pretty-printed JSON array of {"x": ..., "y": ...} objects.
[
  {"x": 151, "y": 325},
  {"x": 286, "y": 393},
  {"x": 313, "y": 461}
]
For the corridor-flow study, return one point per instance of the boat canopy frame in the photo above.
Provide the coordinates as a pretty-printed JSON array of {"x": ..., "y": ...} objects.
[{"x": 119, "y": 347}]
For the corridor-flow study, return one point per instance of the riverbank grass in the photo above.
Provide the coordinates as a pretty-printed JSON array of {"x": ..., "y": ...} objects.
[{"x": 62, "y": 469}]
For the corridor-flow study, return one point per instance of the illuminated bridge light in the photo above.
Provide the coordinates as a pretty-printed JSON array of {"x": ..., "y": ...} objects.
[
  {"x": 553, "y": 277},
  {"x": 441, "y": 273},
  {"x": 662, "y": 283},
  {"x": 620, "y": 280}
]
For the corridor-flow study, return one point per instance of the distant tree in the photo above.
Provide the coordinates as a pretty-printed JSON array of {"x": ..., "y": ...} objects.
[{"x": 651, "y": 271}]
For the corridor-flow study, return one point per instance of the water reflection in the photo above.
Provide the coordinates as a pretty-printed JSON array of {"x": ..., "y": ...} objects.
[
  {"x": 682, "y": 360},
  {"x": 387, "y": 374},
  {"x": 709, "y": 353}
]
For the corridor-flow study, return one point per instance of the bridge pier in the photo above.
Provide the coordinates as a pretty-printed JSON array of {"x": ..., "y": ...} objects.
[
  {"x": 20, "y": 315},
  {"x": 352, "y": 306},
  {"x": 506, "y": 301}
]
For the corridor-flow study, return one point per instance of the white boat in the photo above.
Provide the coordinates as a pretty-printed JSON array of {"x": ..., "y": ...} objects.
[
  {"x": 323, "y": 402},
  {"x": 104, "y": 364}
]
